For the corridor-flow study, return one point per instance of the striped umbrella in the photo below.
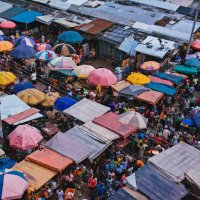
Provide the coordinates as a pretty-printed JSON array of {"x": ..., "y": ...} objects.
[
  {"x": 46, "y": 55},
  {"x": 133, "y": 118},
  {"x": 83, "y": 70},
  {"x": 13, "y": 184},
  {"x": 64, "y": 49},
  {"x": 25, "y": 41},
  {"x": 62, "y": 63},
  {"x": 41, "y": 47}
]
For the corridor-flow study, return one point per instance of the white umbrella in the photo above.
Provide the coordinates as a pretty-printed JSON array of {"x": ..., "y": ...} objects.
[{"x": 133, "y": 118}]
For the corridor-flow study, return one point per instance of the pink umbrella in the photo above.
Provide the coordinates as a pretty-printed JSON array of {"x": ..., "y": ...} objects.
[
  {"x": 13, "y": 184},
  {"x": 41, "y": 47},
  {"x": 102, "y": 77},
  {"x": 191, "y": 56},
  {"x": 7, "y": 25},
  {"x": 24, "y": 137}
]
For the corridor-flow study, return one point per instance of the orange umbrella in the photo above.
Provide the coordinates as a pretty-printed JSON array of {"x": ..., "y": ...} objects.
[
  {"x": 150, "y": 66},
  {"x": 6, "y": 46}
]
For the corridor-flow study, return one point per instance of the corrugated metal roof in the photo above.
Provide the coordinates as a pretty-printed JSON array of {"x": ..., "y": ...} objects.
[
  {"x": 158, "y": 4},
  {"x": 59, "y": 4},
  {"x": 94, "y": 27},
  {"x": 12, "y": 105},
  {"x": 65, "y": 23},
  {"x": 46, "y": 19},
  {"x": 4, "y": 6},
  {"x": 155, "y": 47}
]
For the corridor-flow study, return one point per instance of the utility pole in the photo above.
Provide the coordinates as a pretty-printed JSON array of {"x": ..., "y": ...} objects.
[{"x": 193, "y": 27}]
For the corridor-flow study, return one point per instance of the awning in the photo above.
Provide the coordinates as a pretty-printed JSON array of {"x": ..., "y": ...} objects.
[
  {"x": 12, "y": 105},
  {"x": 69, "y": 147},
  {"x": 166, "y": 89},
  {"x": 36, "y": 175},
  {"x": 155, "y": 47},
  {"x": 120, "y": 85},
  {"x": 132, "y": 91},
  {"x": 177, "y": 161},
  {"x": 94, "y": 27},
  {"x": 155, "y": 185},
  {"x": 49, "y": 159},
  {"x": 79, "y": 135},
  {"x": 169, "y": 77},
  {"x": 186, "y": 70},
  {"x": 151, "y": 97},
  {"x": 160, "y": 80},
  {"x": 45, "y": 19},
  {"x": 26, "y": 17},
  {"x": 4, "y": 6},
  {"x": 12, "y": 12},
  {"x": 65, "y": 23},
  {"x": 116, "y": 126},
  {"x": 86, "y": 110},
  {"x": 99, "y": 132},
  {"x": 128, "y": 46}
]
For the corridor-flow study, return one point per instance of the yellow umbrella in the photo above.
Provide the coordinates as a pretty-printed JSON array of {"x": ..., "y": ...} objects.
[
  {"x": 50, "y": 98},
  {"x": 6, "y": 78},
  {"x": 6, "y": 46},
  {"x": 31, "y": 96},
  {"x": 83, "y": 70},
  {"x": 138, "y": 79}
]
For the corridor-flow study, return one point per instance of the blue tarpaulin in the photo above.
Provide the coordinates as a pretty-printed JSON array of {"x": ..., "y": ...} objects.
[
  {"x": 26, "y": 17},
  {"x": 121, "y": 195},
  {"x": 155, "y": 185},
  {"x": 63, "y": 103},
  {"x": 173, "y": 78},
  {"x": 193, "y": 62},
  {"x": 6, "y": 163},
  {"x": 166, "y": 89},
  {"x": 12, "y": 12}
]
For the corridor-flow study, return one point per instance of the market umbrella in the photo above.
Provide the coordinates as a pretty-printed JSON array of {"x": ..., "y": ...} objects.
[
  {"x": 25, "y": 41},
  {"x": 46, "y": 55},
  {"x": 196, "y": 45},
  {"x": 7, "y": 25},
  {"x": 50, "y": 99},
  {"x": 5, "y": 46},
  {"x": 194, "y": 111},
  {"x": 197, "y": 119},
  {"x": 4, "y": 38},
  {"x": 64, "y": 49},
  {"x": 41, "y": 47},
  {"x": 138, "y": 79},
  {"x": 63, "y": 103},
  {"x": 31, "y": 96},
  {"x": 70, "y": 37},
  {"x": 193, "y": 62},
  {"x": 23, "y": 52},
  {"x": 7, "y": 78},
  {"x": 24, "y": 137},
  {"x": 22, "y": 86},
  {"x": 102, "y": 77},
  {"x": 133, "y": 118},
  {"x": 62, "y": 63},
  {"x": 191, "y": 56},
  {"x": 13, "y": 184},
  {"x": 150, "y": 66},
  {"x": 82, "y": 71},
  {"x": 188, "y": 122}
]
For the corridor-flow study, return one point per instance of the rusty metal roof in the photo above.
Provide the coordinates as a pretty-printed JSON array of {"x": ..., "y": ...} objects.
[{"x": 95, "y": 27}]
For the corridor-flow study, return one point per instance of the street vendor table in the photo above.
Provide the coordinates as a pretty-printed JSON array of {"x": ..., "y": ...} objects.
[{"x": 50, "y": 129}]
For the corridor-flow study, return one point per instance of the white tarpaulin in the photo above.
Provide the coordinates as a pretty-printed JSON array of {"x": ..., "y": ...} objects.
[
  {"x": 62, "y": 5},
  {"x": 12, "y": 105},
  {"x": 45, "y": 19},
  {"x": 155, "y": 47},
  {"x": 5, "y": 6},
  {"x": 65, "y": 23},
  {"x": 41, "y": 1},
  {"x": 77, "y": 2},
  {"x": 185, "y": 3}
]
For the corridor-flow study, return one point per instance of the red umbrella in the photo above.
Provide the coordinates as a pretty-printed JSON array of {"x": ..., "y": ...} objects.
[
  {"x": 7, "y": 25},
  {"x": 102, "y": 77},
  {"x": 196, "y": 45}
]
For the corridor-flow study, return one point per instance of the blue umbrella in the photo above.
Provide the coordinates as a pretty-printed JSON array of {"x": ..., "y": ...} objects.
[
  {"x": 4, "y": 38},
  {"x": 197, "y": 119},
  {"x": 193, "y": 62},
  {"x": 22, "y": 86},
  {"x": 23, "y": 52},
  {"x": 64, "y": 103},
  {"x": 70, "y": 37},
  {"x": 188, "y": 122},
  {"x": 25, "y": 41},
  {"x": 6, "y": 163}
]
